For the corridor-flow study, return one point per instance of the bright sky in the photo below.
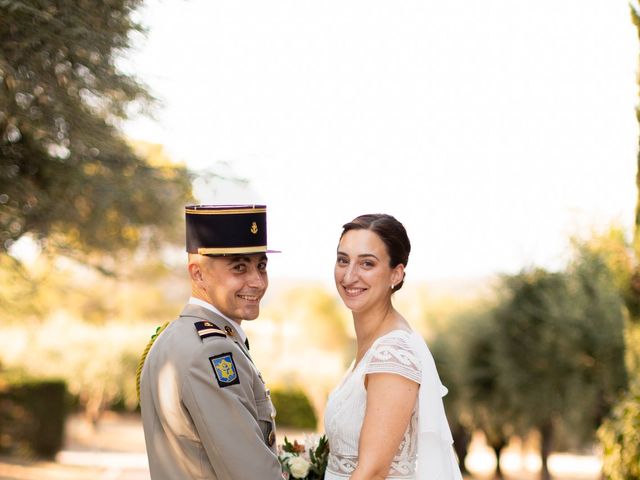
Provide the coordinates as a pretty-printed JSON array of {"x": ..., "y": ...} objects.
[{"x": 492, "y": 129}]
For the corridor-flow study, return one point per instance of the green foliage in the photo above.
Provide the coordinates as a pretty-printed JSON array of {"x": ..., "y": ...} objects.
[
  {"x": 561, "y": 348},
  {"x": 634, "y": 284},
  {"x": 485, "y": 396},
  {"x": 632, "y": 342},
  {"x": 601, "y": 351},
  {"x": 448, "y": 352},
  {"x": 445, "y": 351},
  {"x": 635, "y": 18},
  {"x": 97, "y": 362},
  {"x": 18, "y": 284},
  {"x": 32, "y": 416},
  {"x": 620, "y": 438},
  {"x": 293, "y": 409},
  {"x": 67, "y": 175},
  {"x": 525, "y": 349},
  {"x": 612, "y": 248},
  {"x": 619, "y": 434}
]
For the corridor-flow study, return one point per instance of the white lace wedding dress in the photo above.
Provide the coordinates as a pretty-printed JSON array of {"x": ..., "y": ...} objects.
[{"x": 402, "y": 353}]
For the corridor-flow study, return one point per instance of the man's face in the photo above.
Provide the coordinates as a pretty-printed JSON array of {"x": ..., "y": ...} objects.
[{"x": 234, "y": 284}]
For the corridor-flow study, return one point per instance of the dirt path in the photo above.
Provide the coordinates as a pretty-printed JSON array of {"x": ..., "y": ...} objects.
[{"x": 115, "y": 450}]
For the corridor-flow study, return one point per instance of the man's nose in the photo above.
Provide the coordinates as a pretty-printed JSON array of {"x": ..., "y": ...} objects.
[{"x": 256, "y": 278}]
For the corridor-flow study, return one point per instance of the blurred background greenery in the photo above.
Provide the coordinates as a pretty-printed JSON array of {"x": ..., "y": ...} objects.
[{"x": 91, "y": 262}]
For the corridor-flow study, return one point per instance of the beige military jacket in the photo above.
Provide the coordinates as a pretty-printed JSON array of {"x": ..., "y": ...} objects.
[{"x": 206, "y": 411}]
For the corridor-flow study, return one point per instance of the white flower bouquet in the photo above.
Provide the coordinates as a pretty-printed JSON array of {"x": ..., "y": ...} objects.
[{"x": 306, "y": 461}]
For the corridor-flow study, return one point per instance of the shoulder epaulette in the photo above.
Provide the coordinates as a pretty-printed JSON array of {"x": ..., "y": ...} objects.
[{"x": 208, "y": 329}]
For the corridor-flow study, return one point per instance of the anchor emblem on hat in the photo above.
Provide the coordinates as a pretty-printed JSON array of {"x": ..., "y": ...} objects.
[{"x": 254, "y": 228}]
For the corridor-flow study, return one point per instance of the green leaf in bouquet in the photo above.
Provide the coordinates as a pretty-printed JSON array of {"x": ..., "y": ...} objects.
[
  {"x": 288, "y": 446},
  {"x": 319, "y": 459}
]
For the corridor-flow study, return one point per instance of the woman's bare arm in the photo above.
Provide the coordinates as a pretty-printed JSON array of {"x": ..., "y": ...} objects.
[{"x": 391, "y": 399}]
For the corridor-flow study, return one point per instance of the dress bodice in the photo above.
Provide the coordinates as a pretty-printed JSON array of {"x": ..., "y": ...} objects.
[{"x": 344, "y": 414}]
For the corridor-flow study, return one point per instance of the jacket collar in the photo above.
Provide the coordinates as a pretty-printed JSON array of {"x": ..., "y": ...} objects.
[{"x": 199, "y": 312}]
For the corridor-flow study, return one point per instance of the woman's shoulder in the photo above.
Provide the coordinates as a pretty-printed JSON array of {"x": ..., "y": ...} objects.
[
  {"x": 393, "y": 352},
  {"x": 398, "y": 336}
]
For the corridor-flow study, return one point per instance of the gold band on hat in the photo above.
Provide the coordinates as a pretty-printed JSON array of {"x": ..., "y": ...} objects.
[
  {"x": 232, "y": 250},
  {"x": 224, "y": 212}
]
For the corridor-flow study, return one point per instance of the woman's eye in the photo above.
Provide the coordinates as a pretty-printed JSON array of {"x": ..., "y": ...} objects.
[
  {"x": 262, "y": 267},
  {"x": 239, "y": 268},
  {"x": 368, "y": 264},
  {"x": 342, "y": 261}
]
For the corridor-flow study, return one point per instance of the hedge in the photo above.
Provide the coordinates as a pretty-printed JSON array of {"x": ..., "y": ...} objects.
[
  {"x": 620, "y": 438},
  {"x": 32, "y": 417},
  {"x": 294, "y": 410}
]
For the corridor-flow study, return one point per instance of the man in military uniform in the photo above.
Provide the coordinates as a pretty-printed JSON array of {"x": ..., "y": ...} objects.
[{"x": 206, "y": 411}]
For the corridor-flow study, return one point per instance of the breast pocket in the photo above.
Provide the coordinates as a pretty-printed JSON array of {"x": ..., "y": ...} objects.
[{"x": 266, "y": 415}]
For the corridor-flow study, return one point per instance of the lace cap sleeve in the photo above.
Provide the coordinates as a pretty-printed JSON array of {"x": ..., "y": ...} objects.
[{"x": 393, "y": 354}]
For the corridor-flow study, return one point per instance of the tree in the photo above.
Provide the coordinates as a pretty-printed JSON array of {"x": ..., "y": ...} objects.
[
  {"x": 448, "y": 347},
  {"x": 601, "y": 361},
  {"x": 561, "y": 349},
  {"x": 487, "y": 402},
  {"x": 67, "y": 176},
  {"x": 620, "y": 438},
  {"x": 635, "y": 18},
  {"x": 619, "y": 433},
  {"x": 444, "y": 353}
]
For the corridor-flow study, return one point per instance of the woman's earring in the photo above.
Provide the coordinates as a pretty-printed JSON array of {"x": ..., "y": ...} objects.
[{"x": 392, "y": 286}]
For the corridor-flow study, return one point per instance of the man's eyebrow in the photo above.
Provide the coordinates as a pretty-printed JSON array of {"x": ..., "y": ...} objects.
[
  {"x": 243, "y": 258},
  {"x": 238, "y": 258}
]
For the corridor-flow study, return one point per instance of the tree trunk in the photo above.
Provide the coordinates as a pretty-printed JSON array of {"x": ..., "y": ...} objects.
[
  {"x": 94, "y": 407},
  {"x": 461, "y": 439},
  {"x": 634, "y": 291},
  {"x": 546, "y": 433},
  {"x": 497, "y": 448}
]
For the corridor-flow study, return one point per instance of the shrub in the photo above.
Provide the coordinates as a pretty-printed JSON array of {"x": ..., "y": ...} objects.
[
  {"x": 294, "y": 410},
  {"x": 32, "y": 417},
  {"x": 620, "y": 438},
  {"x": 97, "y": 362}
]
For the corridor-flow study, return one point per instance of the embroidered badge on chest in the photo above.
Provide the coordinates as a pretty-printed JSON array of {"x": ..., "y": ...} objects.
[{"x": 225, "y": 369}]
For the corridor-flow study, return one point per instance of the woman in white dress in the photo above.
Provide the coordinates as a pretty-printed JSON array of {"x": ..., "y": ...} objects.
[{"x": 385, "y": 420}]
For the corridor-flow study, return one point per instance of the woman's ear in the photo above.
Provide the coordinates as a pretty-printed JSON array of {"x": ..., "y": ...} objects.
[{"x": 397, "y": 275}]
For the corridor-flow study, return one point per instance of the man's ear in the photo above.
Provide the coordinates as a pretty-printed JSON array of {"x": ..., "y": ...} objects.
[{"x": 195, "y": 272}]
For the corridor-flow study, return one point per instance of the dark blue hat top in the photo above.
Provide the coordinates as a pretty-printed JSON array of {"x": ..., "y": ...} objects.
[{"x": 226, "y": 229}]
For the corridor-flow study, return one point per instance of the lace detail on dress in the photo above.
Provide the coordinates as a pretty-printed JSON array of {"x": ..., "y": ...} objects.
[
  {"x": 403, "y": 465},
  {"x": 340, "y": 465},
  {"x": 345, "y": 409},
  {"x": 393, "y": 354}
]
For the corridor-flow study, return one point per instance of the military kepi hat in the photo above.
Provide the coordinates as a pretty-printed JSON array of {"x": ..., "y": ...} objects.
[{"x": 226, "y": 229}]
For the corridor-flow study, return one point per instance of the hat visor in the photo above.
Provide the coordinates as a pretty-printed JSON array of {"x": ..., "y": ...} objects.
[{"x": 235, "y": 251}]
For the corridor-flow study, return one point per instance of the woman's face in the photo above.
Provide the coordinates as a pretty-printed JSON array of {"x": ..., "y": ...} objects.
[{"x": 362, "y": 272}]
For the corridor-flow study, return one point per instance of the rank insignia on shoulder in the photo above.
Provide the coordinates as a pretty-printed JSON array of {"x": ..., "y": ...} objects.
[
  {"x": 225, "y": 369},
  {"x": 208, "y": 329}
]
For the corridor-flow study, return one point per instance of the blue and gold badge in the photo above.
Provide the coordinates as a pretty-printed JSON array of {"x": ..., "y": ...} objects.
[{"x": 225, "y": 369}]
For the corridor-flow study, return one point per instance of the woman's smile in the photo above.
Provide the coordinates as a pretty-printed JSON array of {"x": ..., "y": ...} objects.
[{"x": 353, "y": 292}]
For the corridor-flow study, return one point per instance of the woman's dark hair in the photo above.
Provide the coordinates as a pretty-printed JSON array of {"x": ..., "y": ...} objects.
[{"x": 391, "y": 232}]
